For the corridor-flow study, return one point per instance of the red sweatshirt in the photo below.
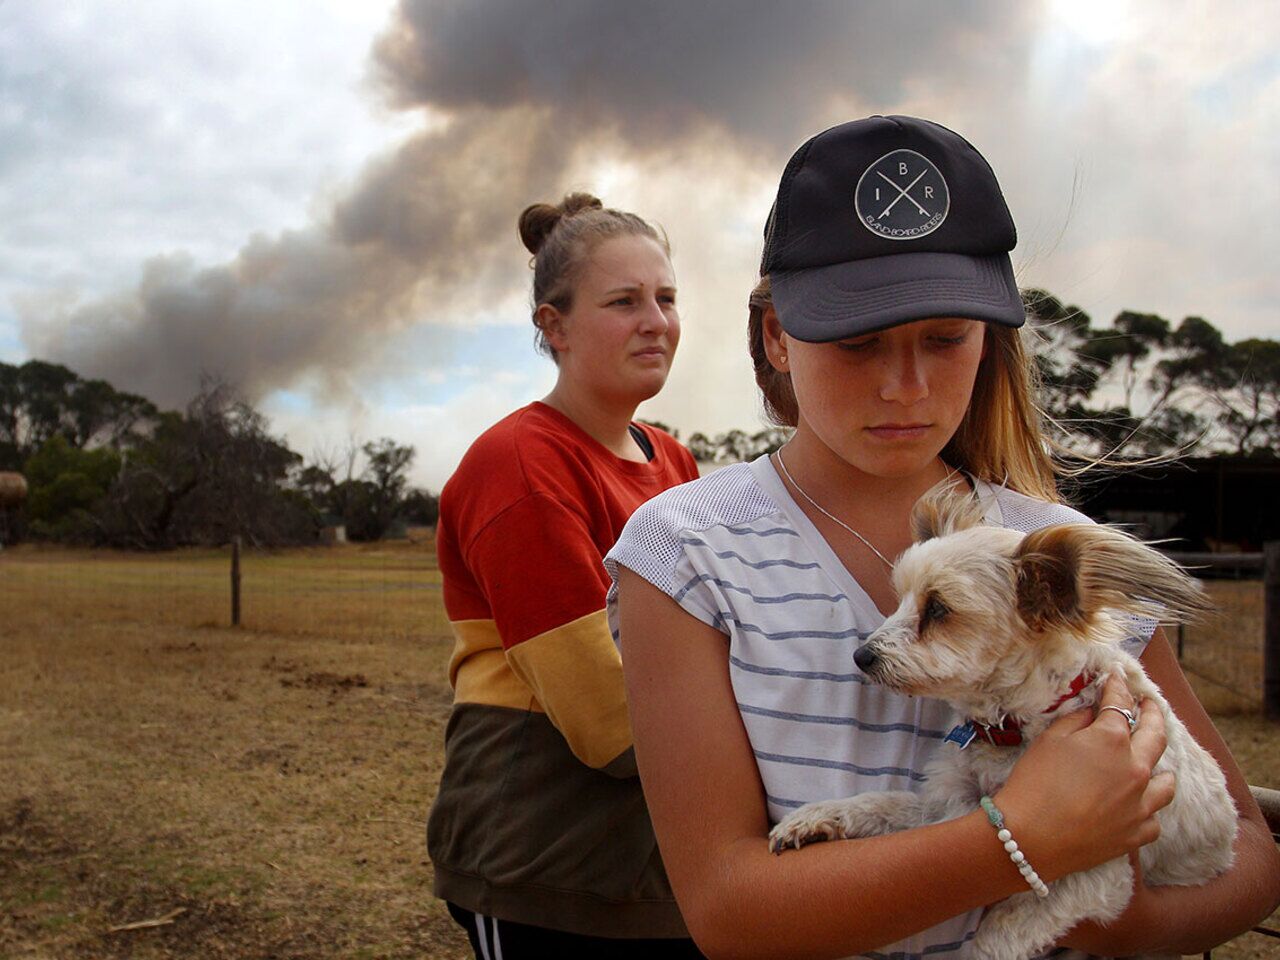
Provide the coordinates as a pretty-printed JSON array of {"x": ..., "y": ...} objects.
[{"x": 539, "y": 818}]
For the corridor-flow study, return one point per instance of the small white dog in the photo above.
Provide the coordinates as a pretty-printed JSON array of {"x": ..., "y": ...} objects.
[{"x": 998, "y": 624}]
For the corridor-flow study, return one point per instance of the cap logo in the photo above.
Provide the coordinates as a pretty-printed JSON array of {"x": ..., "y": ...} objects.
[{"x": 902, "y": 196}]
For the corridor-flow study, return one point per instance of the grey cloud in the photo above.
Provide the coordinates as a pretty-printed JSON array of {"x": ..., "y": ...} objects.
[
  {"x": 660, "y": 69},
  {"x": 249, "y": 320},
  {"x": 529, "y": 93},
  {"x": 436, "y": 216},
  {"x": 444, "y": 200}
]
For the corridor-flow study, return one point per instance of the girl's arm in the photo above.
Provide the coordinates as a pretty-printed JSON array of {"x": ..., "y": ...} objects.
[
  {"x": 1195, "y": 919},
  {"x": 547, "y": 609},
  {"x": 1082, "y": 794}
]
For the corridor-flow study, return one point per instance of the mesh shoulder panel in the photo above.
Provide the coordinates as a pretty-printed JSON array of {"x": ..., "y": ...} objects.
[
  {"x": 1024, "y": 514},
  {"x": 650, "y": 542}
]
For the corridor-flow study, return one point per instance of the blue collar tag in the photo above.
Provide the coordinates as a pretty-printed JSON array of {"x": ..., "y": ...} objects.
[{"x": 962, "y": 735}]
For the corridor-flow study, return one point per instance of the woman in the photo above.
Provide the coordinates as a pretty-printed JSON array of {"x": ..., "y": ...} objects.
[
  {"x": 885, "y": 331},
  {"x": 539, "y": 836}
]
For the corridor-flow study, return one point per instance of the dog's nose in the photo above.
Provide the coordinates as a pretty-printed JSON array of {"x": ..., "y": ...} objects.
[{"x": 865, "y": 657}]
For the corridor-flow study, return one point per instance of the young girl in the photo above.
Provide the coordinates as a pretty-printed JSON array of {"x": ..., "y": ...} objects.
[
  {"x": 884, "y": 331},
  {"x": 539, "y": 836}
]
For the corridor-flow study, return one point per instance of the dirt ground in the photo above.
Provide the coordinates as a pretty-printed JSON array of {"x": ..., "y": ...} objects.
[{"x": 172, "y": 787}]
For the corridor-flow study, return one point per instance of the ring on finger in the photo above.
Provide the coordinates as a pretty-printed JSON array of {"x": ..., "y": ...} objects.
[{"x": 1127, "y": 714}]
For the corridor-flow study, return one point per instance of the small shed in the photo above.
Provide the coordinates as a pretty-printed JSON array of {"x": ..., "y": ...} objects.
[
  {"x": 13, "y": 490},
  {"x": 1218, "y": 504}
]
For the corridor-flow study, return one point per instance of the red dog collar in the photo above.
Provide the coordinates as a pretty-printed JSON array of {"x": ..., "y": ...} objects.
[{"x": 1008, "y": 732}]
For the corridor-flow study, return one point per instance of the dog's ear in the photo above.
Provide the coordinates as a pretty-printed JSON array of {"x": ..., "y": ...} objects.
[
  {"x": 945, "y": 508},
  {"x": 1047, "y": 570},
  {"x": 1068, "y": 572}
]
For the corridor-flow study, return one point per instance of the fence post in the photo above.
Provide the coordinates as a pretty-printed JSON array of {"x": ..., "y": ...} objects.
[
  {"x": 235, "y": 581},
  {"x": 1271, "y": 631}
]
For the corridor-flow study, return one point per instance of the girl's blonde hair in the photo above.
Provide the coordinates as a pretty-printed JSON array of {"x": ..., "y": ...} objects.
[{"x": 1002, "y": 437}]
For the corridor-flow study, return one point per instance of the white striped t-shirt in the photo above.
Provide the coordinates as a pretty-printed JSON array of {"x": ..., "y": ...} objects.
[{"x": 736, "y": 552}]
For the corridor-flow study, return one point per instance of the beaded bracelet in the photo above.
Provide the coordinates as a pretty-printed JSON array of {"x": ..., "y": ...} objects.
[{"x": 1019, "y": 859}]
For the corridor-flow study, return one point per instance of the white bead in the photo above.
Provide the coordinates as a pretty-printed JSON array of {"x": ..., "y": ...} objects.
[{"x": 1017, "y": 856}]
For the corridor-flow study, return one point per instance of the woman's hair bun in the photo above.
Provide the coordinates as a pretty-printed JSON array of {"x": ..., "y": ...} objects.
[{"x": 539, "y": 219}]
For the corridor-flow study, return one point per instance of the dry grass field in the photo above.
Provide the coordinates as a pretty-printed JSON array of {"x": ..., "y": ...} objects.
[{"x": 171, "y": 787}]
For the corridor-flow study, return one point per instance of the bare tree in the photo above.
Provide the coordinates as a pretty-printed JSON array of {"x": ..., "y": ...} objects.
[{"x": 205, "y": 476}]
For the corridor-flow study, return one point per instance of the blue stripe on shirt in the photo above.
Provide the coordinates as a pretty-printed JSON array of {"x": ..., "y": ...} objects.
[
  {"x": 842, "y": 721},
  {"x": 784, "y": 598},
  {"x": 841, "y": 765},
  {"x": 761, "y": 565},
  {"x": 851, "y": 633},
  {"x": 796, "y": 674},
  {"x": 932, "y": 951},
  {"x": 771, "y": 532}
]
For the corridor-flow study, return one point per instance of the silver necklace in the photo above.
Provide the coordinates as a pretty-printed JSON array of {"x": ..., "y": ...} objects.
[{"x": 828, "y": 514}]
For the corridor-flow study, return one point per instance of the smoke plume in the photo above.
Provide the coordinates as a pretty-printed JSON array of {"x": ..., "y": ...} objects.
[{"x": 518, "y": 100}]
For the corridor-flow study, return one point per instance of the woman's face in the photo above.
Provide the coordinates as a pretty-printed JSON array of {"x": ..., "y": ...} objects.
[
  {"x": 888, "y": 402},
  {"x": 620, "y": 335}
]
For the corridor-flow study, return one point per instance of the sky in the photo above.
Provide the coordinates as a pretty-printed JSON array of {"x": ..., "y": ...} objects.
[{"x": 317, "y": 202}]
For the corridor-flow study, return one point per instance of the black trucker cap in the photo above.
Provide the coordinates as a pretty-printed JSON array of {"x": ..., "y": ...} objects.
[{"x": 883, "y": 221}]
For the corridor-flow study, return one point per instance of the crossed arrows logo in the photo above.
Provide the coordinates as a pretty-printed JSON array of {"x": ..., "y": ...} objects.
[
  {"x": 902, "y": 192},
  {"x": 897, "y": 176}
]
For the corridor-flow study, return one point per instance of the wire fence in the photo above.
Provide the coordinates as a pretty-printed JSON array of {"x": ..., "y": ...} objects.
[
  {"x": 391, "y": 590},
  {"x": 1226, "y": 651},
  {"x": 351, "y": 592}
]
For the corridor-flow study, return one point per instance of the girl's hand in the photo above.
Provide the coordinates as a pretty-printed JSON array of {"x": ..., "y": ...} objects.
[{"x": 1084, "y": 792}]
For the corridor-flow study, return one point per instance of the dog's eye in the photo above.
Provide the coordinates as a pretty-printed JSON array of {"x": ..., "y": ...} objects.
[{"x": 934, "y": 609}]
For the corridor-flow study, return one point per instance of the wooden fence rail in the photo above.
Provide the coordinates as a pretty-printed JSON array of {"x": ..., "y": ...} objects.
[{"x": 1269, "y": 801}]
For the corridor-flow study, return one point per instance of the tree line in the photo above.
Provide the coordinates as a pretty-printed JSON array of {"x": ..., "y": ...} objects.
[
  {"x": 107, "y": 467},
  {"x": 1141, "y": 387}
]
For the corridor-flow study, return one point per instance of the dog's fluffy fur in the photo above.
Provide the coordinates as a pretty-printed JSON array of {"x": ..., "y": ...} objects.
[{"x": 999, "y": 623}]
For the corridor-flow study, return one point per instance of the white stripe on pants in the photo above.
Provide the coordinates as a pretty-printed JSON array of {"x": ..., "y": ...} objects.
[{"x": 484, "y": 939}]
